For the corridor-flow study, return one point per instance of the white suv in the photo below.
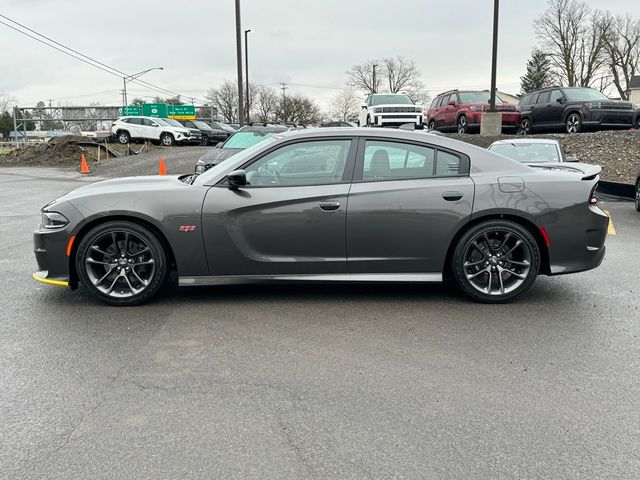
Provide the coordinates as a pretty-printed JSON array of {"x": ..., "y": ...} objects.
[
  {"x": 148, "y": 128},
  {"x": 389, "y": 109}
]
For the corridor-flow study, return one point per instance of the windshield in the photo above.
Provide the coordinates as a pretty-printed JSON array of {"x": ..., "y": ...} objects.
[
  {"x": 528, "y": 152},
  {"x": 201, "y": 125},
  {"x": 477, "y": 97},
  {"x": 577, "y": 94},
  {"x": 391, "y": 99},
  {"x": 209, "y": 175},
  {"x": 173, "y": 123},
  {"x": 246, "y": 139}
]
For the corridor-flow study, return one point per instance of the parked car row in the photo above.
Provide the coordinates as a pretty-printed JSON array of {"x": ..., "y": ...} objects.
[{"x": 169, "y": 132}]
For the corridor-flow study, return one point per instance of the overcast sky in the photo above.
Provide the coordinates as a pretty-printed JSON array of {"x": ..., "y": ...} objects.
[{"x": 308, "y": 44}]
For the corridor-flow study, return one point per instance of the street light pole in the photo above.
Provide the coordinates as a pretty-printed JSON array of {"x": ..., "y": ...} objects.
[
  {"x": 239, "y": 63},
  {"x": 128, "y": 78},
  {"x": 246, "y": 71},
  {"x": 494, "y": 58},
  {"x": 374, "y": 78}
]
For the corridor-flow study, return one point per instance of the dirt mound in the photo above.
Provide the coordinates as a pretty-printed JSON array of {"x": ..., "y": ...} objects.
[{"x": 617, "y": 152}]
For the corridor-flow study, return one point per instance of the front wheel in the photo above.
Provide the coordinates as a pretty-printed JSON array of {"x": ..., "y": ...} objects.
[
  {"x": 368, "y": 121},
  {"x": 463, "y": 125},
  {"x": 167, "y": 140},
  {"x": 525, "y": 127},
  {"x": 573, "y": 123},
  {"x": 121, "y": 263},
  {"x": 638, "y": 195},
  {"x": 124, "y": 137},
  {"x": 432, "y": 125},
  {"x": 496, "y": 261}
]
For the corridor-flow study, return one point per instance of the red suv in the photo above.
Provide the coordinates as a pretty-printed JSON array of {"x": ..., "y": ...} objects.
[{"x": 461, "y": 110}]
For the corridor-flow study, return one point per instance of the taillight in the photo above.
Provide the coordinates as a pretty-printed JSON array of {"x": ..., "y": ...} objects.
[{"x": 593, "y": 199}]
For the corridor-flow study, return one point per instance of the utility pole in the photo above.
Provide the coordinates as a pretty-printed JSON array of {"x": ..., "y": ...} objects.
[
  {"x": 374, "y": 78},
  {"x": 494, "y": 57},
  {"x": 239, "y": 63},
  {"x": 283, "y": 87},
  {"x": 246, "y": 71}
]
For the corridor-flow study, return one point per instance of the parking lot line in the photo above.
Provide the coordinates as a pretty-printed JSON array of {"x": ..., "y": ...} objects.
[{"x": 611, "y": 230}]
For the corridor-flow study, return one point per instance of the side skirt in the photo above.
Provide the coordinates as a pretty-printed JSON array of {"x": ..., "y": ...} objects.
[{"x": 333, "y": 277}]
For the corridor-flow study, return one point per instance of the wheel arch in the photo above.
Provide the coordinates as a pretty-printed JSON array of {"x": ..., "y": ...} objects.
[
  {"x": 570, "y": 111},
  {"x": 523, "y": 222},
  {"x": 87, "y": 227}
]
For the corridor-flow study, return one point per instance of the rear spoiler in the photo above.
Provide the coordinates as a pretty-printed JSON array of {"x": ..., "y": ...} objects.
[{"x": 588, "y": 171}]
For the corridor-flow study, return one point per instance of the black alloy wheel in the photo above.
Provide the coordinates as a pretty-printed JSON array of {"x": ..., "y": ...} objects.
[
  {"x": 121, "y": 263},
  {"x": 496, "y": 261}
]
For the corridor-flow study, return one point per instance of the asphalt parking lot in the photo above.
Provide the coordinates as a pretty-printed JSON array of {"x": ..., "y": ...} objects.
[{"x": 384, "y": 381}]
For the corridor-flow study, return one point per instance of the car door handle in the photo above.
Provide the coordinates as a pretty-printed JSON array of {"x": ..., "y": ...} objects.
[
  {"x": 329, "y": 206},
  {"x": 452, "y": 196}
]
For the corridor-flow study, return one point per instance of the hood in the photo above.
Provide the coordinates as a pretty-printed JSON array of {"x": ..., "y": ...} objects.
[
  {"x": 217, "y": 155},
  {"x": 126, "y": 184},
  {"x": 586, "y": 170}
]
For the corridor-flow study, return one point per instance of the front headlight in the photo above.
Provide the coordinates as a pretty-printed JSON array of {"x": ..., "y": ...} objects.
[
  {"x": 418, "y": 110},
  {"x": 200, "y": 168},
  {"x": 54, "y": 220},
  {"x": 377, "y": 110},
  {"x": 592, "y": 105}
]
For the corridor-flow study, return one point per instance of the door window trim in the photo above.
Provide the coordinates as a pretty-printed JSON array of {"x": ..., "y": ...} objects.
[
  {"x": 347, "y": 176},
  {"x": 465, "y": 161}
]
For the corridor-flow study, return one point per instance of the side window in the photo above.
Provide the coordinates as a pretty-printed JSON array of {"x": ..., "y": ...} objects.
[
  {"x": 305, "y": 163},
  {"x": 434, "y": 103},
  {"x": 135, "y": 121},
  {"x": 396, "y": 161},
  {"x": 147, "y": 122},
  {"x": 454, "y": 97},
  {"x": 555, "y": 95},
  {"x": 447, "y": 164},
  {"x": 524, "y": 101},
  {"x": 545, "y": 97}
]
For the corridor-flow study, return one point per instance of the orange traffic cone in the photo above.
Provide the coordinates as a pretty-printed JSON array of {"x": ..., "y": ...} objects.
[
  {"x": 84, "y": 166},
  {"x": 163, "y": 169}
]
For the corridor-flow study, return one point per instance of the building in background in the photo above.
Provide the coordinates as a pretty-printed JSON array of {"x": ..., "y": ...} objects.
[{"x": 634, "y": 89}]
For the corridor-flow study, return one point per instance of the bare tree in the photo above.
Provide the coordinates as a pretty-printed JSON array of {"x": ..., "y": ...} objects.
[
  {"x": 622, "y": 47},
  {"x": 266, "y": 103},
  {"x": 361, "y": 77},
  {"x": 225, "y": 99},
  {"x": 345, "y": 105},
  {"x": 7, "y": 102},
  {"x": 401, "y": 74},
  {"x": 298, "y": 109},
  {"x": 572, "y": 37}
]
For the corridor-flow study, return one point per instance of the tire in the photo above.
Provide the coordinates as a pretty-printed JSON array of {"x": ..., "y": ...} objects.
[
  {"x": 637, "y": 202},
  {"x": 573, "y": 123},
  {"x": 525, "y": 127},
  {"x": 368, "y": 121},
  {"x": 124, "y": 137},
  {"x": 462, "y": 124},
  {"x": 205, "y": 141},
  {"x": 479, "y": 265},
  {"x": 432, "y": 125},
  {"x": 167, "y": 140},
  {"x": 636, "y": 124},
  {"x": 121, "y": 263}
]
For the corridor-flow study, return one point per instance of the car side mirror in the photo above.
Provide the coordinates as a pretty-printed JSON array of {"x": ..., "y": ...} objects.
[
  {"x": 237, "y": 178},
  {"x": 571, "y": 159},
  {"x": 155, "y": 125},
  {"x": 363, "y": 106},
  {"x": 219, "y": 144},
  {"x": 453, "y": 103},
  {"x": 560, "y": 100}
]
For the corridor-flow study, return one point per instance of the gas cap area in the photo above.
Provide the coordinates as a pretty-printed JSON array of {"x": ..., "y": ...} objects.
[{"x": 511, "y": 184}]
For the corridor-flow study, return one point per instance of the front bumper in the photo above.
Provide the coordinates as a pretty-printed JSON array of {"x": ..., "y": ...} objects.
[
  {"x": 395, "y": 119},
  {"x": 50, "y": 249},
  {"x": 608, "y": 118}
]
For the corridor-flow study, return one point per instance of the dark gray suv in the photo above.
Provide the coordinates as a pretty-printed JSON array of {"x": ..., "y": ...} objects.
[{"x": 572, "y": 110}]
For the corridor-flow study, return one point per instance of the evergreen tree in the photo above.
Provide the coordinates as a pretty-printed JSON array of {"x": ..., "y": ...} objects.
[{"x": 538, "y": 73}]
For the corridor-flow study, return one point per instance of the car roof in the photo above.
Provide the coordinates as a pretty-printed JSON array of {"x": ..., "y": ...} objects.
[
  {"x": 264, "y": 129},
  {"x": 526, "y": 141}
]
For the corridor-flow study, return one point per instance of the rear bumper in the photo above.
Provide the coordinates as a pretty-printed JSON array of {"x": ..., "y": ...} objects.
[{"x": 579, "y": 246}]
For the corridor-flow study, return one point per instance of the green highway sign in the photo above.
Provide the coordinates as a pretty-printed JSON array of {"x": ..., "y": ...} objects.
[
  {"x": 132, "y": 110},
  {"x": 155, "y": 110},
  {"x": 182, "y": 112}
]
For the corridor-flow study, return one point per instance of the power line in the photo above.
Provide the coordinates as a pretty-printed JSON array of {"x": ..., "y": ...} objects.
[{"x": 84, "y": 58}]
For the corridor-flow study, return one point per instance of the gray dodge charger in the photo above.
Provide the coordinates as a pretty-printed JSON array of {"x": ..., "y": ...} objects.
[{"x": 330, "y": 205}]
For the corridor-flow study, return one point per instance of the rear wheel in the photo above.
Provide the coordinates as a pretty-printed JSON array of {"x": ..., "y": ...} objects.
[
  {"x": 124, "y": 137},
  {"x": 638, "y": 195},
  {"x": 121, "y": 263},
  {"x": 636, "y": 124},
  {"x": 167, "y": 140},
  {"x": 463, "y": 125},
  {"x": 573, "y": 124},
  {"x": 496, "y": 261}
]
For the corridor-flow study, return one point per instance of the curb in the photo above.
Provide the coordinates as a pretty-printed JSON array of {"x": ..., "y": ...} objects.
[{"x": 616, "y": 189}]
